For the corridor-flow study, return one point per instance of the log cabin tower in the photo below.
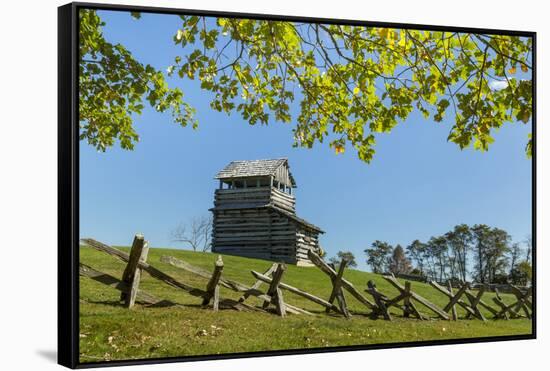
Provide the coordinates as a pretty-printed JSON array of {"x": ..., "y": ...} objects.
[{"x": 254, "y": 214}]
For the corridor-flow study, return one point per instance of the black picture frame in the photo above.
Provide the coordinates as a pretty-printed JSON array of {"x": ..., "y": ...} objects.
[{"x": 68, "y": 184}]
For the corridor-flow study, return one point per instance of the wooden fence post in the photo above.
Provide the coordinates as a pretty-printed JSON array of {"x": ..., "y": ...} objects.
[
  {"x": 393, "y": 281},
  {"x": 409, "y": 303},
  {"x": 257, "y": 284},
  {"x": 474, "y": 301},
  {"x": 453, "y": 307},
  {"x": 455, "y": 298},
  {"x": 407, "y": 300},
  {"x": 108, "y": 280},
  {"x": 379, "y": 299},
  {"x": 346, "y": 285},
  {"x": 460, "y": 302},
  {"x": 213, "y": 286},
  {"x": 294, "y": 290},
  {"x": 274, "y": 292},
  {"x": 132, "y": 273},
  {"x": 337, "y": 292},
  {"x": 498, "y": 300},
  {"x": 523, "y": 299},
  {"x": 237, "y": 286},
  {"x": 405, "y": 295}
]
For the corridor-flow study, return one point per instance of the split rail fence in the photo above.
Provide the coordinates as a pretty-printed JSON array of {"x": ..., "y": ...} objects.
[{"x": 378, "y": 304}]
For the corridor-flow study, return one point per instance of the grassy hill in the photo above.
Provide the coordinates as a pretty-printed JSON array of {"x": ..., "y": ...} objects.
[{"x": 110, "y": 332}]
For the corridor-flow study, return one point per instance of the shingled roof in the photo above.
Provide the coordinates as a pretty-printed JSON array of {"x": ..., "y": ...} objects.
[{"x": 253, "y": 168}]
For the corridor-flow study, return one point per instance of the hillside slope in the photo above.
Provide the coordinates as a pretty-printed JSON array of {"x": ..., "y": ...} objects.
[{"x": 109, "y": 331}]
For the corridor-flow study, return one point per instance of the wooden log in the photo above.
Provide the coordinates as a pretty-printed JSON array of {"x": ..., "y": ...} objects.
[
  {"x": 455, "y": 298},
  {"x": 219, "y": 229},
  {"x": 213, "y": 288},
  {"x": 294, "y": 290},
  {"x": 264, "y": 189},
  {"x": 277, "y": 193},
  {"x": 282, "y": 198},
  {"x": 474, "y": 301},
  {"x": 154, "y": 272},
  {"x": 258, "y": 283},
  {"x": 393, "y": 281},
  {"x": 239, "y": 240},
  {"x": 108, "y": 280},
  {"x": 337, "y": 280},
  {"x": 453, "y": 307},
  {"x": 131, "y": 267},
  {"x": 233, "y": 285},
  {"x": 277, "y": 276},
  {"x": 409, "y": 304},
  {"x": 484, "y": 305},
  {"x": 498, "y": 300},
  {"x": 249, "y": 233},
  {"x": 337, "y": 292},
  {"x": 342, "y": 304},
  {"x": 275, "y": 293},
  {"x": 279, "y": 302},
  {"x": 444, "y": 291},
  {"x": 296, "y": 310},
  {"x": 225, "y": 282},
  {"x": 395, "y": 301},
  {"x": 503, "y": 312},
  {"x": 323, "y": 266},
  {"x": 381, "y": 308},
  {"x": 512, "y": 309},
  {"x": 407, "y": 299},
  {"x": 522, "y": 299},
  {"x": 132, "y": 273},
  {"x": 149, "y": 299},
  {"x": 505, "y": 309}
]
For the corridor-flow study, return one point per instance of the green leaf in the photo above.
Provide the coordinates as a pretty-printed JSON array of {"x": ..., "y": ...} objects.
[{"x": 348, "y": 82}]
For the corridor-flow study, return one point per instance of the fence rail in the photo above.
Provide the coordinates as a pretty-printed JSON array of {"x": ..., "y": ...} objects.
[{"x": 405, "y": 300}]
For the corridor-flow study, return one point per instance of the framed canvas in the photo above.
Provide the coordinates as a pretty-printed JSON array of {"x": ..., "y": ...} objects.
[{"x": 242, "y": 185}]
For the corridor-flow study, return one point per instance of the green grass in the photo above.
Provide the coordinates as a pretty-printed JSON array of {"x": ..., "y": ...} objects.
[{"x": 110, "y": 332}]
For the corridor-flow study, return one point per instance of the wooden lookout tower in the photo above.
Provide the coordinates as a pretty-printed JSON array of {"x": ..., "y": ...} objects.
[{"x": 255, "y": 216}]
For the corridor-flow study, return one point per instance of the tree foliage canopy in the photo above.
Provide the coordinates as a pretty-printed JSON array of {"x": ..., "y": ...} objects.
[
  {"x": 352, "y": 82},
  {"x": 480, "y": 252},
  {"x": 113, "y": 86},
  {"x": 378, "y": 256},
  {"x": 398, "y": 263},
  {"x": 344, "y": 255}
]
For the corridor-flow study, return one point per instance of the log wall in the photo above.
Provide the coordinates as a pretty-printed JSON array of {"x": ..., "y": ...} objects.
[
  {"x": 254, "y": 196},
  {"x": 245, "y": 226},
  {"x": 305, "y": 240},
  {"x": 256, "y": 233},
  {"x": 225, "y": 198},
  {"x": 283, "y": 200}
]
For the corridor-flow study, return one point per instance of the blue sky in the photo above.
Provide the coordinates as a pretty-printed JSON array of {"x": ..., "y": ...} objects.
[{"x": 417, "y": 186}]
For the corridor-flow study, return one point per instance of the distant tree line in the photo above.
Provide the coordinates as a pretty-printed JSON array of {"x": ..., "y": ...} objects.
[
  {"x": 466, "y": 253},
  {"x": 479, "y": 253}
]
